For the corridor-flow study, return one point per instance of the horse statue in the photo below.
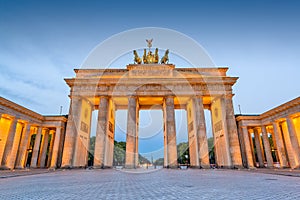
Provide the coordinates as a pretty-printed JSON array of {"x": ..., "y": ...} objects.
[
  {"x": 145, "y": 57},
  {"x": 156, "y": 57},
  {"x": 137, "y": 59},
  {"x": 165, "y": 58}
]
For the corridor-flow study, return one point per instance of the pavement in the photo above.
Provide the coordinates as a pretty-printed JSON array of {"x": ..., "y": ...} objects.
[{"x": 150, "y": 184}]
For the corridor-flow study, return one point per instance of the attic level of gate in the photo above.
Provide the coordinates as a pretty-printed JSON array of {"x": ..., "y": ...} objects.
[{"x": 151, "y": 71}]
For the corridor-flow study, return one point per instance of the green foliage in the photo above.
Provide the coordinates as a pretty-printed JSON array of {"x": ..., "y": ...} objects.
[
  {"x": 183, "y": 153},
  {"x": 119, "y": 153},
  {"x": 210, "y": 143},
  {"x": 211, "y": 150}
]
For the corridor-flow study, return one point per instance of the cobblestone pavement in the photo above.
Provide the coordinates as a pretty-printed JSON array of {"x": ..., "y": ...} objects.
[
  {"x": 23, "y": 172},
  {"x": 160, "y": 184}
]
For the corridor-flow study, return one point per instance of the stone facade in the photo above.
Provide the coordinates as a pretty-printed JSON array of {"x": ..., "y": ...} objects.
[
  {"x": 281, "y": 126},
  {"x": 29, "y": 139},
  {"x": 141, "y": 87}
]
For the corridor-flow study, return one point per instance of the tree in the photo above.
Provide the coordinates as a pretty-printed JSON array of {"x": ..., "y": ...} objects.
[
  {"x": 119, "y": 153},
  {"x": 182, "y": 151},
  {"x": 211, "y": 150}
]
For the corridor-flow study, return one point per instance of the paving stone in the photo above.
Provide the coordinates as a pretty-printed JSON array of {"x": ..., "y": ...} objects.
[{"x": 160, "y": 184}]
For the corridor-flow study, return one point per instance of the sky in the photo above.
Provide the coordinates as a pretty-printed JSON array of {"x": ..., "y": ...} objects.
[{"x": 41, "y": 42}]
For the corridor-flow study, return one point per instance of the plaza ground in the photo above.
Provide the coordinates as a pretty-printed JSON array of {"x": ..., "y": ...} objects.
[{"x": 150, "y": 184}]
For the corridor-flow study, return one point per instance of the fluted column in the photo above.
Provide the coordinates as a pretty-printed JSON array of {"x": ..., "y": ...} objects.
[
  {"x": 36, "y": 147},
  {"x": 20, "y": 163},
  {"x": 246, "y": 139},
  {"x": 5, "y": 163},
  {"x": 131, "y": 133},
  {"x": 101, "y": 133},
  {"x": 171, "y": 132},
  {"x": 267, "y": 147},
  {"x": 71, "y": 132},
  {"x": 55, "y": 148},
  {"x": 294, "y": 142},
  {"x": 201, "y": 133},
  {"x": 52, "y": 133},
  {"x": 258, "y": 148},
  {"x": 234, "y": 144},
  {"x": 44, "y": 148},
  {"x": 280, "y": 145}
]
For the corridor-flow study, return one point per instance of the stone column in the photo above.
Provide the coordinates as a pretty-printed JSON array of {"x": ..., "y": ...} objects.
[
  {"x": 234, "y": 144},
  {"x": 44, "y": 148},
  {"x": 36, "y": 147},
  {"x": 131, "y": 133},
  {"x": 201, "y": 133},
  {"x": 248, "y": 152},
  {"x": 52, "y": 133},
  {"x": 267, "y": 147},
  {"x": 171, "y": 132},
  {"x": 252, "y": 146},
  {"x": 280, "y": 145},
  {"x": 56, "y": 139},
  {"x": 258, "y": 147},
  {"x": 71, "y": 132},
  {"x": 101, "y": 133},
  {"x": 137, "y": 136},
  {"x": 294, "y": 142},
  {"x": 20, "y": 163},
  {"x": 5, "y": 164}
]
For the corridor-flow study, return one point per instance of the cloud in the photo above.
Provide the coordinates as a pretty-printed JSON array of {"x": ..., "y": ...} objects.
[{"x": 34, "y": 81}]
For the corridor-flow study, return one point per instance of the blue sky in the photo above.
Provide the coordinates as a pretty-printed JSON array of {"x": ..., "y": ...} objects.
[{"x": 42, "y": 42}]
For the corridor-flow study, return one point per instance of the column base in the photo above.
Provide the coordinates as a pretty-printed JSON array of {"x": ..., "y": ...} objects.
[
  {"x": 237, "y": 167},
  {"x": 67, "y": 167},
  {"x": 204, "y": 166},
  {"x": 5, "y": 168},
  {"x": 19, "y": 167},
  {"x": 194, "y": 166}
]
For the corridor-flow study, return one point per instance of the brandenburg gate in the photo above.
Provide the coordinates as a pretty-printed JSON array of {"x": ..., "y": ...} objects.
[{"x": 155, "y": 85}]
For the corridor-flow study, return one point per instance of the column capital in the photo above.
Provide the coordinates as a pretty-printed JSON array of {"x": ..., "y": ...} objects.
[
  {"x": 73, "y": 97},
  {"x": 199, "y": 96},
  {"x": 243, "y": 126},
  {"x": 132, "y": 96},
  {"x": 227, "y": 96},
  {"x": 256, "y": 129},
  {"x": 169, "y": 100},
  {"x": 169, "y": 96},
  {"x": 104, "y": 96}
]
